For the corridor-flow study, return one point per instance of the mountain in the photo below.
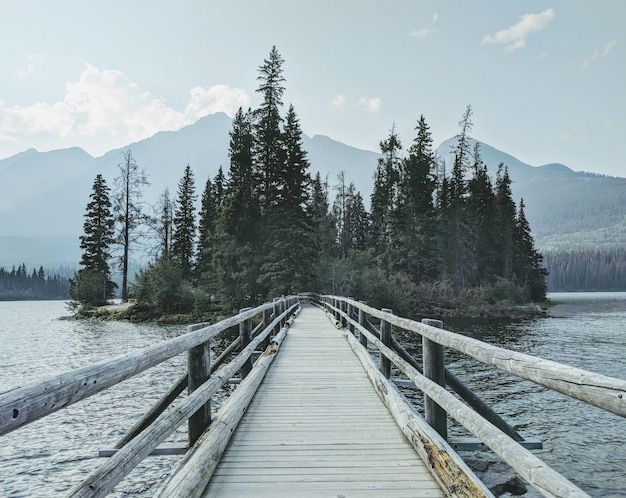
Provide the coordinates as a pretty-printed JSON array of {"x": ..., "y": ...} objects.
[
  {"x": 566, "y": 209},
  {"x": 43, "y": 195}
]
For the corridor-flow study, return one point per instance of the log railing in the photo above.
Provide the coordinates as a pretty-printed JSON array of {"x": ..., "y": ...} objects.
[
  {"x": 23, "y": 405},
  {"x": 599, "y": 390}
]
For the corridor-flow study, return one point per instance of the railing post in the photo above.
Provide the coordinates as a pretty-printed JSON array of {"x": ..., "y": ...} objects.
[
  {"x": 434, "y": 369},
  {"x": 245, "y": 332},
  {"x": 362, "y": 323},
  {"x": 276, "y": 314},
  {"x": 351, "y": 315},
  {"x": 385, "y": 337},
  {"x": 343, "y": 307},
  {"x": 198, "y": 372},
  {"x": 266, "y": 321}
]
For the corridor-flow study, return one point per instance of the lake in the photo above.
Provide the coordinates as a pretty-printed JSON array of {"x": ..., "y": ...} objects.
[{"x": 48, "y": 457}]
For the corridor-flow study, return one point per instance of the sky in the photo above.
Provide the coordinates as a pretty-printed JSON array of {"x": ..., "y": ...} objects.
[{"x": 546, "y": 79}]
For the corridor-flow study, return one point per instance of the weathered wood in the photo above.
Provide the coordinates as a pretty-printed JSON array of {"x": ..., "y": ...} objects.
[
  {"x": 433, "y": 358},
  {"x": 159, "y": 407},
  {"x": 301, "y": 435},
  {"x": 385, "y": 337},
  {"x": 28, "y": 403},
  {"x": 452, "y": 473},
  {"x": 599, "y": 390},
  {"x": 542, "y": 477},
  {"x": 245, "y": 335},
  {"x": 104, "y": 479},
  {"x": 464, "y": 392},
  {"x": 194, "y": 472},
  {"x": 199, "y": 371},
  {"x": 362, "y": 322}
]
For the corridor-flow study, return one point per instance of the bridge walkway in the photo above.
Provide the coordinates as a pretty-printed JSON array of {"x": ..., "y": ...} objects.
[{"x": 316, "y": 428}]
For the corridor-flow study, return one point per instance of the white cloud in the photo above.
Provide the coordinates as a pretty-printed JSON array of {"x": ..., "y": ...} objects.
[
  {"x": 107, "y": 108},
  {"x": 339, "y": 101},
  {"x": 370, "y": 104},
  {"x": 424, "y": 32},
  {"x": 515, "y": 37},
  {"x": 596, "y": 55},
  {"x": 32, "y": 63}
]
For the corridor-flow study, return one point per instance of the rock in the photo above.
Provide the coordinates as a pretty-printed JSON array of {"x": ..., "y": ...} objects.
[{"x": 514, "y": 486}]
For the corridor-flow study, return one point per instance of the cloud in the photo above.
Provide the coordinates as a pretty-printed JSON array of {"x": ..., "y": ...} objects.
[
  {"x": 565, "y": 137},
  {"x": 515, "y": 36},
  {"x": 105, "y": 107},
  {"x": 596, "y": 55},
  {"x": 32, "y": 63},
  {"x": 339, "y": 102},
  {"x": 427, "y": 31},
  {"x": 370, "y": 104}
]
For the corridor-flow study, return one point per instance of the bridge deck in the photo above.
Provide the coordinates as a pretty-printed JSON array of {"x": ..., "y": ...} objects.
[{"x": 316, "y": 427}]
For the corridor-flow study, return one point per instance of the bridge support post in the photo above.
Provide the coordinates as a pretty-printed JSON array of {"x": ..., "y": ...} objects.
[
  {"x": 362, "y": 323},
  {"x": 434, "y": 369},
  {"x": 198, "y": 372},
  {"x": 351, "y": 315},
  {"x": 385, "y": 337},
  {"x": 245, "y": 334}
]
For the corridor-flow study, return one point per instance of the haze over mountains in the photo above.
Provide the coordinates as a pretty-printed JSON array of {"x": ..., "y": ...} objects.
[{"x": 43, "y": 195}]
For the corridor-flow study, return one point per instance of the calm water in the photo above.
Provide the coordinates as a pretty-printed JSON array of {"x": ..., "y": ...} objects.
[{"x": 48, "y": 457}]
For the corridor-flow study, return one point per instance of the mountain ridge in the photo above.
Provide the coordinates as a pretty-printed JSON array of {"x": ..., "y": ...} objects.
[{"x": 43, "y": 195}]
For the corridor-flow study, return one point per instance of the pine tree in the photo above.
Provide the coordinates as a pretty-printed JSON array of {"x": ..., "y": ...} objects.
[
  {"x": 128, "y": 209},
  {"x": 504, "y": 225},
  {"x": 481, "y": 207},
  {"x": 164, "y": 224},
  {"x": 268, "y": 139},
  {"x": 92, "y": 284},
  {"x": 384, "y": 193},
  {"x": 238, "y": 229},
  {"x": 324, "y": 228},
  {"x": 184, "y": 236},
  {"x": 289, "y": 259},
  {"x": 528, "y": 267},
  {"x": 413, "y": 220}
]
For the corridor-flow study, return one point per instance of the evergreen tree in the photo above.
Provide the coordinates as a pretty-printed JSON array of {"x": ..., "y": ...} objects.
[
  {"x": 268, "y": 144},
  {"x": 481, "y": 206},
  {"x": 289, "y": 256},
  {"x": 209, "y": 208},
  {"x": 238, "y": 230},
  {"x": 324, "y": 229},
  {"x": 413, "y": 220},
  {"x": 384, "y": 193},
  {"x": 455, "y": 237},
  {"x": 164, "y": 224},
  {"x": 504, "y": 225},
  {"x": 184, "y": 236},
  {"x": 128, "y": 209},
  {"x": 92, "y": 284},
  {"x": 530, "y": 273}
]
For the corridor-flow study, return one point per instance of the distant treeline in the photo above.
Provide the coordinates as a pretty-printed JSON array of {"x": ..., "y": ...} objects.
[
  {"x": 586, "y": 270},
  {"x": 19, "y": 284}
]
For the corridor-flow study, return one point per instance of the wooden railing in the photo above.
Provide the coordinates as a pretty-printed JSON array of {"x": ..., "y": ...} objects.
[
  {"x": 601, "y": 391},
  {"x": 204, "y": 378}
]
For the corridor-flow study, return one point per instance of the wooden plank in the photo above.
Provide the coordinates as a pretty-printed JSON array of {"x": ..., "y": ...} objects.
[
  {"x": 317, "y": 428},
  {"x": 605, "y": 392}
]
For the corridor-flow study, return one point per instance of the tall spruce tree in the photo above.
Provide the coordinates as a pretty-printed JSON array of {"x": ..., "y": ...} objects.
[
  {"x": 92, "y": 284},
  {"x": 481, "y": 207},
  {"x": 504, "y": 225},
  {"x": 207, "y": 221},
  {"x": 383, "y": 196},
  {"x": 128, "y": 209},
  {"x": 528, "y": 267},
  {"x": 164, "y": 224},
  {"x": 184, "y": 237},
  {"x": 413, "y": 220},
  {"x": 238, "y": 229},
  {"x": 324, "y": 227}
]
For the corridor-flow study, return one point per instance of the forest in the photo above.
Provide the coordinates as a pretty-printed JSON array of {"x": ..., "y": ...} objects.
[
  {"x": 20, "y": 284},
  {"x": 600, "y": 269},
  {"x": 435, "y": 238}
]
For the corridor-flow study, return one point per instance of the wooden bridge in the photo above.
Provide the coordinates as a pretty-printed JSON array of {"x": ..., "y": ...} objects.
[{"x": 327, "y": 418}]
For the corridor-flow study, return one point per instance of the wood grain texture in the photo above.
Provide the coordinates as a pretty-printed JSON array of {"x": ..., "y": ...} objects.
[{"x": 316, "y": 427}]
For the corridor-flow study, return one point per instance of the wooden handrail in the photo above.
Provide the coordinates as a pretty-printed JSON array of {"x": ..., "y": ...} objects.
[
  {"x": 596, "y": 389},
  {"x": 28, "y": 403}
]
